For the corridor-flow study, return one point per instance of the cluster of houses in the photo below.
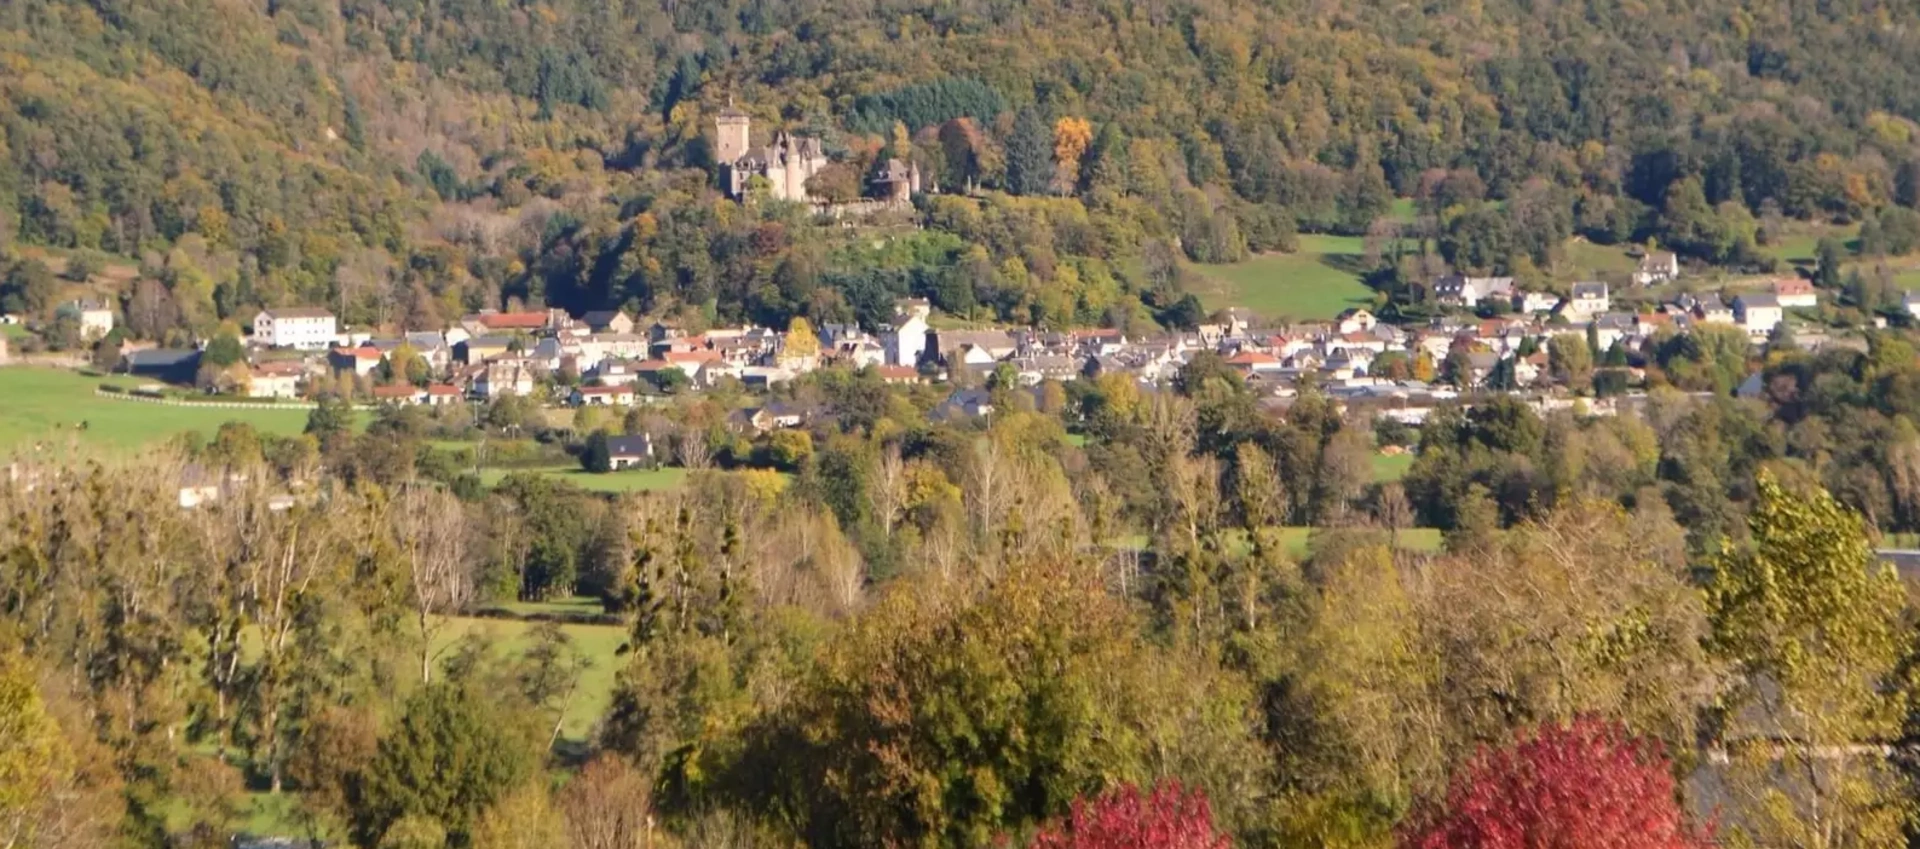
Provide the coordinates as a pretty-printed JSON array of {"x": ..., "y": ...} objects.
[{"x": 490, "y": 354}]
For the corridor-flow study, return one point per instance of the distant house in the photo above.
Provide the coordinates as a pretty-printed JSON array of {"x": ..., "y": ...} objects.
[
  {"x": 1356, "y": 320},
  {"x": 400, "y": 393},
  {"x": 509, "y": 322},
  {"x": 164, "y": 364},
  {"x": 275, "y": 380},
  {"x": 1910, "y": 302},
  {"x": 304, "y": 328},
  {"x": 964, "y": 404},
  {"x": 907, "y": 339},
  {"x": 973, "y": 346},
  {"x": 1795, "y": 293},
  {"x": 1587, "y": 300},
  {"x": 603, "y": 396},
  {"x": 1532, "y": 302},
  {"x": 1656, "y": 268},
  {"x": 609, "y": 321},
  {"x": 1458, "y": 290},
  {"x": 361, "y": 361},
  {"x": 503, "y": 378},
  {"x": 1759, "y": 313},
  {"x": 479, "y": 349},
  {"x": 95, "y": 318},
  {"x": 628, "y": 452},
  {"x": 1712, "y": 309},
  {"x": 442, "y": 394}
]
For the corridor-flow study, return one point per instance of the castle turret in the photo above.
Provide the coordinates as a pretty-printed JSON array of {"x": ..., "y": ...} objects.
[{"x": 731, "y": 127}]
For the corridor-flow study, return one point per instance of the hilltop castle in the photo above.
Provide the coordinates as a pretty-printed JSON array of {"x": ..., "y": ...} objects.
[{"x": 787, "y": 163}]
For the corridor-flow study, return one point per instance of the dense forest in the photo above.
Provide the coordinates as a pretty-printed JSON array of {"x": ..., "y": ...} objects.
[
  {"x": 406, "y": 162},
  {"x": 884, "y": 630}
]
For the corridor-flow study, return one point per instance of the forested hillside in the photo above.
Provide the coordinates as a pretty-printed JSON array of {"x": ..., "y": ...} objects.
[{"x": 407, "y": 161}]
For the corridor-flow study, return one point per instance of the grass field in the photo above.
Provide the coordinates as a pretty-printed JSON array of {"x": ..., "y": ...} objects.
[
  {"x": 639, "y": 480},
  {"x": 1798, "y": 247},
  {"x": 43, "y": 404},
  {"x": 1586, "y": 261},
  {"x": 599, "y": 644},
  {"x": 1319, "y": 281},
  {"x": 1391, "y": 467}
]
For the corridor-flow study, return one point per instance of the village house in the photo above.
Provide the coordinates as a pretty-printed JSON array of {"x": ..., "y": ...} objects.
[
  {"x": 94, "y": 318},
  {"x": 1534, "y": 302},
  {"x": 1795, "y": 293},
  {"x": 602, "y": 396},
  {"x": 897, "y": 182},
  {"x": 898, "y": 375},
  {"x": 503, "y": 377},
  {"x": 972, "y": 346},
  {"x": 361, "y": 361},
  {"x": 442, "y": 394},
  {"x": 906, "y": 341},
  {"x": 275, "y": 380},
  {"x": 400, "y": 393},
  {"x": 608, "y": 321},
  {"x": 1458, "y": 290},
  {"x": 304, "y": 328},
  {"x": 629, "y": 452},
  {"x": 1587, "y": 300},
  {"x": 480, "y": 349},
  {"x": 490, "y": 321},
  {"x": 1657, "y": 267},
  {"x": 1758, "y": 312},
  {"x": 1355, "y": 320}
]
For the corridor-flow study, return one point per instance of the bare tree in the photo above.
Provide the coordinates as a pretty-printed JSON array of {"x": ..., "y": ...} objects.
[
  {"x": 431, "y": 528},
  {"x": 607, "y": 806},
  {"x": 696, "y": 453}
]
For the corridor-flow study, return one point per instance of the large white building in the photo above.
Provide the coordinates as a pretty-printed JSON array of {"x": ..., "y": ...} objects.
[{"x": 305, "y": 328}]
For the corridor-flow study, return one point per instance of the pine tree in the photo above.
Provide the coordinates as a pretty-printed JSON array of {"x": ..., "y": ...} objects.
[{"x": 1029, "y": 154}]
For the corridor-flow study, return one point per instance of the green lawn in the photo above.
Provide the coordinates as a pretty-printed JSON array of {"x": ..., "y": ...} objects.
[
  {"x": 42, "y": 404},
  {"x": 1391, "y": 467},
  {"x": 600, "y": 644},
  {"x": 14, "y": 331},
  {"x": 1799, "y": 245},
  {"x": 1586, "y": 260},
  {"x": 637, "y": 480},
  {"x": 1319, "y": 281}
]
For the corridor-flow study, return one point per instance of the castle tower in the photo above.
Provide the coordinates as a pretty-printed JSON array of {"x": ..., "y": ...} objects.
[{"x": 730, "y": 137}]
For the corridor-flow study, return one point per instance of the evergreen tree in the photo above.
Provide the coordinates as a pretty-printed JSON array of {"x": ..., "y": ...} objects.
[{"x": 1030, "y": 154}]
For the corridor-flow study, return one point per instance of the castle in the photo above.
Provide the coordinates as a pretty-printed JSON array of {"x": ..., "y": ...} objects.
[{"x": 787, "y": 163}]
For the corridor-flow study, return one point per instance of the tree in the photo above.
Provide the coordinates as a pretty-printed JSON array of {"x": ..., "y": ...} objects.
[
  {"x": 34, "y": 756},
  {"x": 1029, "y": 154},
  {"x": 431, "y": 529},
  {"x": 225, "y": 349},
  {"x": 1571, "y": 360},
  {"x": 595, "y": 456},
  {"x": 1167, "y": 818},
  {"x": 1071, "y": 137},
  {"x": 1828, "y": 254},
  {"x": 29, "y": 288},
  {"x": 1812, "y": 623},
  {"x": 1581, "y": 786},
  {"x": 332, "y": 416},
  {"x": 800, "y": 341},
  {"x": 451, "y": 754},
  {"x": 607, "y": 806}
]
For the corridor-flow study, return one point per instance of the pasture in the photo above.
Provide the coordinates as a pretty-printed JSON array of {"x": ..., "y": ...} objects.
[
  {"x": 1317, "y": 282},
  {"x": 45, "y": 405}
]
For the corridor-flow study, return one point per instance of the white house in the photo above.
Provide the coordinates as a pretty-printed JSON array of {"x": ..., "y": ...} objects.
[
  {"x": 96, "y": 319},
  {"x": 1795, "y": 293},
  {"x": 1657, "y": 267},
  {"x": 1532, "y": 302},
  {"x": 907, "y": 340},
  {"x": 1758, "y": 313},
  {"x": 1588, "y": 300},
  {"x": 1460, "y": 290},
  {"x": 305, "y": 328}
]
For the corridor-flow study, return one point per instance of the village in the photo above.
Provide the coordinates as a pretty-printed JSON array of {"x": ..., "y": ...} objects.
[{"x": 1492, "y": 337}]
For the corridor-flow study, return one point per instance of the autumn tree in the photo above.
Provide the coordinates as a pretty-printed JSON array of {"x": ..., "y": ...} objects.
[
  {"x": 1168, "y": 817},
  {"x": 1587, "y": 785},
  {"x": 1812, "y": 625},
  {"x": 1029, "y": 154},
  {"x": 1071, "y": 136}
]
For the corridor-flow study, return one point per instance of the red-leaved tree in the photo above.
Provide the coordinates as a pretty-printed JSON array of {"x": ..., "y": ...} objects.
[
  {"x": 1584, "y": 786},
  {"x": 1167, "y": 818}
]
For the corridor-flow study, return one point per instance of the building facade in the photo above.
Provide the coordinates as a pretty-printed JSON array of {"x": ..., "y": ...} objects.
[
  {"x": 305, "y": 328},
  {"x": 786, "y": 164}
]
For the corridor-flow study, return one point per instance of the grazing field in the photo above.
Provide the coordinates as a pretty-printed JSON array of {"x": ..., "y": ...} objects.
[
  {"x": 1319, "y": 281},
  {"x": 636, "y": 480},
  {"x": 49, "y": 405},
  {"x": 599, "y": 644},
  {"x": 1587, "y": 261},
  {"x": 1391, "y": 467},
  {"x": 1799, "y": 245}
]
